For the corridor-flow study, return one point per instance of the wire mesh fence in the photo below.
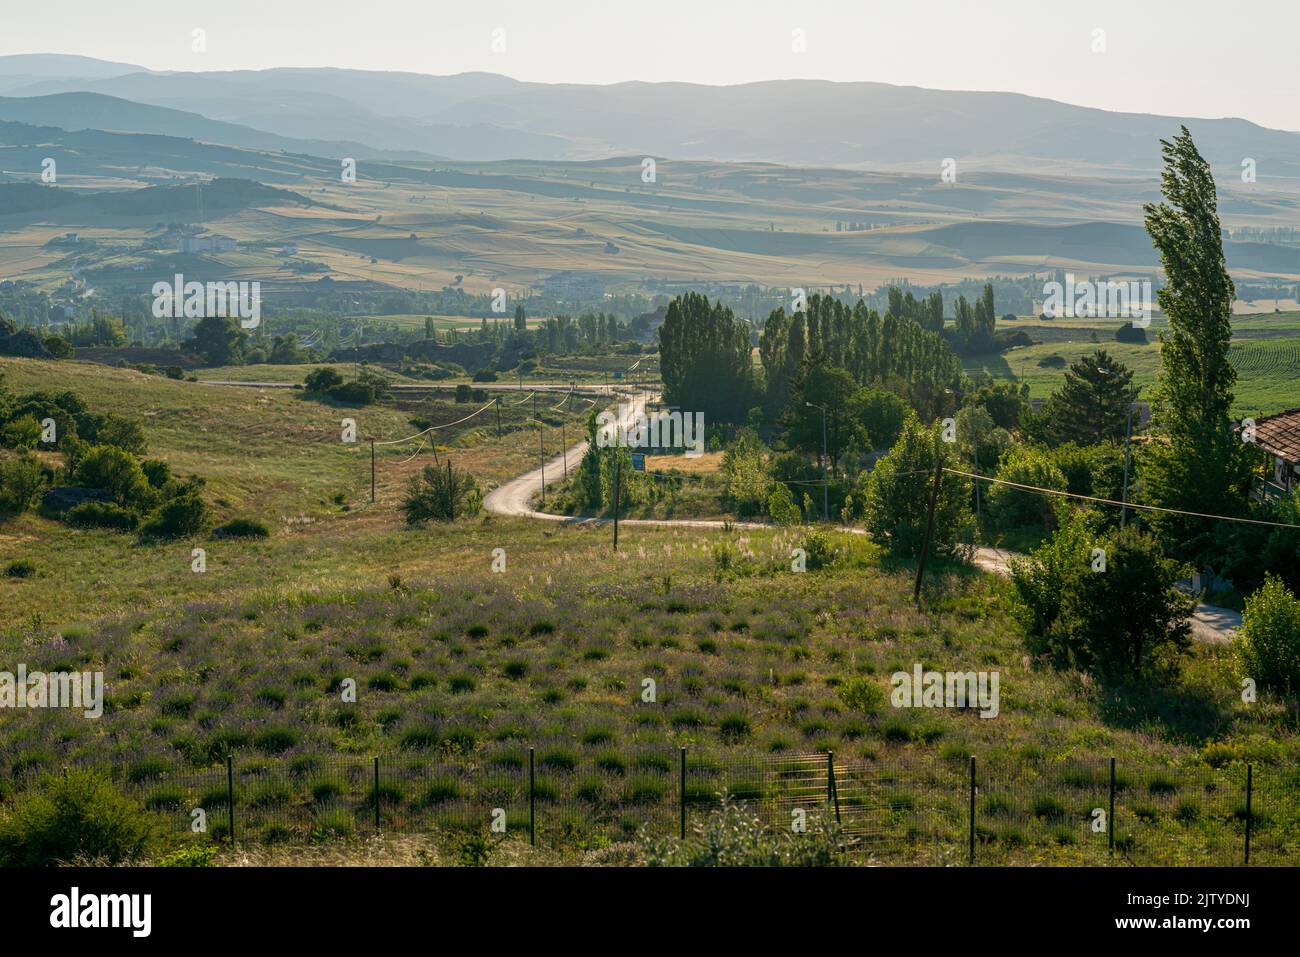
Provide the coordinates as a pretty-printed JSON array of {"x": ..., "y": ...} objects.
[{"x": 904, "y": 809}]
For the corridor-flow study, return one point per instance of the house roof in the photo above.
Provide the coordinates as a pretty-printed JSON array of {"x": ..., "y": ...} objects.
[{"x": 1279, "y": 434}]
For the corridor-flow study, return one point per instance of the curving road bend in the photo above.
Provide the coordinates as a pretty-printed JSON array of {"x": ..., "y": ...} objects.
[{"x": 1209, "y": 623}]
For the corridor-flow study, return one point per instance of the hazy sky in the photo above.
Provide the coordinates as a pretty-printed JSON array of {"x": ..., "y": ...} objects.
[{"x": 1184, "y": 57}]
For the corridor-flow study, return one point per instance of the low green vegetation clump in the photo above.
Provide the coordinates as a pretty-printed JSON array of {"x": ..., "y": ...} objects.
[{"x": 102, "y": 481}]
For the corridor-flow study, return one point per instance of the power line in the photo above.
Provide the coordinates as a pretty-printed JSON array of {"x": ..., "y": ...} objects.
[
  {"x": 1108, "y": 501},
  {"x": 445, "y": 425}
]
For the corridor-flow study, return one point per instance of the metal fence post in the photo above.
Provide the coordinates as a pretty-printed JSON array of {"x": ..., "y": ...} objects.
[
  {"x": 230, "y": 796},
  {"x": 376, "y": 794},
  {"x": 1249, "y": 810},
  {"x": 972, "y": 809},
  {"x": 532, "y": 802},
  {"x": 1110, "y": 820},
  {"x": 681, "y": 795},
  {"x": 832, "y": 792}
]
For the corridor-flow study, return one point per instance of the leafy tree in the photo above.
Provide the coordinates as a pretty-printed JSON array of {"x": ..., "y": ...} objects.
[
  {"x": 831, "y": 388},
  {"x": 286, "y": 351},
  {"x": 746, "y": 475},
  {"x": 521, "y": 320},
  {"x": 219, "y": 341},
  {"x": 441, "y": 494},
  {"x": 781, "y": 506},
  {"x": 1004, "y": 401},
  {"x": 879, "y": 415},
  {"x": 897, "y": 495},
  {"x": 1198, "y": 464},
  {"x": 59, "y": 347},
  {"x": 1092, "y": 404}
]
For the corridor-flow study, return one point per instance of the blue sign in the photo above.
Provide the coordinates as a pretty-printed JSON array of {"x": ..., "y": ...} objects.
[
  {"x": 618, "y": 374},
  {"x": 638, "y": 461}
]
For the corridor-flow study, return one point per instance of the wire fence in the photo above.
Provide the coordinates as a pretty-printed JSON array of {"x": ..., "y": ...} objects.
[{"x": 906, "y": 809}]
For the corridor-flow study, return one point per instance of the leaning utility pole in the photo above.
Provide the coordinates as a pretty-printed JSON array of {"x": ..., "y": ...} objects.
[{"x": 929, "y": 525}]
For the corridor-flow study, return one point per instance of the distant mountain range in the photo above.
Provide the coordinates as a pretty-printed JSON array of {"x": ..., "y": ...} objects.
[{"x": 481, "y": 116}]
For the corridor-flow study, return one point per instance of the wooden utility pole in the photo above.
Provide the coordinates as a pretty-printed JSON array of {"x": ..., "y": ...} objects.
[
  {"x": 372, "y": 470},
  {"x": 498, "y": 398},
  {"x": 618, "y": 475},
  {"x": 451, "y": 494},
  {"x": 541, "y": 449},
  {"x": 929, "y": 525}
]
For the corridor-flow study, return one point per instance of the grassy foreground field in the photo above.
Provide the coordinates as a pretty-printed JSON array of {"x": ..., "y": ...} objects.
[{"x": 459, "y": 668}]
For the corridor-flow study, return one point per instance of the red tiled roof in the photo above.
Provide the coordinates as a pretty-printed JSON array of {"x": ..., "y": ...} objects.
[{"x": 1279, "y": 434}]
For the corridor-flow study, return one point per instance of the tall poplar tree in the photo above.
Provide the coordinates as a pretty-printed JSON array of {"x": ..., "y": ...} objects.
[{"x": 1196, "y": 463}]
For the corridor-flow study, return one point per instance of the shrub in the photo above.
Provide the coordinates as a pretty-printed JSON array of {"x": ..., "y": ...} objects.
[
  {"x": 21, "y": 482},
  {"x": 781, "y": 506},
  {"x": 117, "y": 472},
  {"x": 1268, "y": 644},
  {"x": 322, "y": 380},
  {"x": 120, "y": 433},
  {"x": 734, "y": 836},
  {"x": 442, "y": 495},
  {"x": 102, "y": 515},
  {"x": 20, "y": 568},
  {"x": 74, "y": 816},
  {"x": 183, "y": 516},
  {"x": 192, "y": 855},
  {"x": 862, "y": 695},
  {"x": 243, "y": 528},
  {"x": 1017, "y": 508},
  {"x": 23, "y": 432},
  {"x": 1114, "y": 621},
  {"x": 819, "y": 550},
  {"x": 158, "y": 472},
  {"x": 353, "y": 393}
]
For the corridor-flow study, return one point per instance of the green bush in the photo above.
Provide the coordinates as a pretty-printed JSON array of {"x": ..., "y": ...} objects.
[
  {"x": 819, "y": 550},
  {"x": 243, "y": 528},
  {"x": 117, "y": 472},
  {"x": 781, "y": 506},
  {"x": 20, "y": 568},
  {"x": 442, "y": 495},
  {"x": 183, "y": 516},
  {"x": 1268, "y": 643},
  {"x": 192, "y": 855},
  {"x": 734, "y": 836},
  {"x": 322, "y": 380},
  {"x": 22, "y": 432},
  {"x": 1017, "y": 508},
  {"x": 1115, "y": 621},
  {"x": 353, "y": 393},
  {"x": 102, "y": 515},
  {"x": 862, "y": 695},
  {"x": 71, "y": 817},
  {"x": 21, "y": 482}
]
